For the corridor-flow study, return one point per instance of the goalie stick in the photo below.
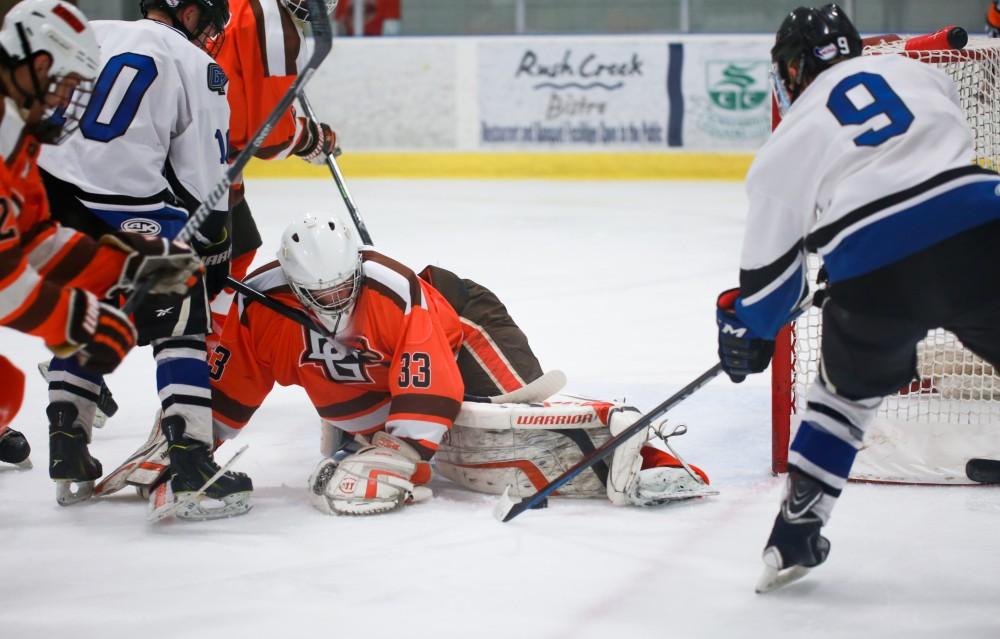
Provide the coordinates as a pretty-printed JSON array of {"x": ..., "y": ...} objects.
[
  {"x": 537, "y": 390},
  {"x": 508, "y": 508},
  {"x": 338, "y": 177},
  {"x": 322, "y": 41}
]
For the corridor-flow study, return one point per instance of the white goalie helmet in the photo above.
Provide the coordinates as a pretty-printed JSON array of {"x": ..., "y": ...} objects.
[
  {"x": 299, "y": 9},
  {"x": 60, "y": 30},
  {"x": 321, "y": 257}
]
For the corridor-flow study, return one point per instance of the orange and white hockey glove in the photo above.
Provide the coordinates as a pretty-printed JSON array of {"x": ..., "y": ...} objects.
[
  {"x": 98, "y": 333},
  {"x": 316, "y": 142},
  {"x": 378, "y": 478}
]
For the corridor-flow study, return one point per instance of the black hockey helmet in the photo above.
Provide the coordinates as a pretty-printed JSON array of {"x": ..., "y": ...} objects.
[
  {"x": 808, "y": 42},
  {"x": 209, "y": 32}
]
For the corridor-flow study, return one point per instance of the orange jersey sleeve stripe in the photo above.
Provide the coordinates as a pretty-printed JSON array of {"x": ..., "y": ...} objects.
[{"x": 417, "y": 405}]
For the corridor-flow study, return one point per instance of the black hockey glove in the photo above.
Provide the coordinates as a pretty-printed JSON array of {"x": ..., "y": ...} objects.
[
  {"x": 740, "y": 350},
  {"x": 214, "y": 244},
  {"x": 316, "y": 142},
  {"x": 171, "y": 266}
]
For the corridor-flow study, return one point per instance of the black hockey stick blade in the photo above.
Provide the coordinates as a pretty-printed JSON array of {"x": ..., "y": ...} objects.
[
  {"x": 508, "y": 508},
  {"x": 984, "y": 471},
  {"x": 338, "y": 178},
  {"x": 322, "y": 42}
]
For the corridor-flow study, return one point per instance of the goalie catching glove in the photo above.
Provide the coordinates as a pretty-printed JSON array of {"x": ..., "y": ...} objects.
[
  {"x": 380, "y": 477},
  {"x": 316, "y": 142},
  {"x": 741, "y": 351}
]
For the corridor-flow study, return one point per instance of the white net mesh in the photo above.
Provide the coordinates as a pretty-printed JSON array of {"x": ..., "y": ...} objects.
[{"x": 926, "y": 432}]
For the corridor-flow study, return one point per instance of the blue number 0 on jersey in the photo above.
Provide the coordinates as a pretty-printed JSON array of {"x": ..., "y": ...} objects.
[
  {"x": 144, "y": 68},
  {"x": 883, "y": 101}
]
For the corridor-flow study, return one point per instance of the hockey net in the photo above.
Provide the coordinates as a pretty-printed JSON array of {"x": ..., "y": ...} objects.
[{"x": 926, "y": 432}]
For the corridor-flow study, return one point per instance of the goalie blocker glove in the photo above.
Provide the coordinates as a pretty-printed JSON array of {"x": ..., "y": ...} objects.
[
  {"x": 741, "y": 351},
  {"x": 316, "y": 142},
  {"x": 100, "y": 334}
]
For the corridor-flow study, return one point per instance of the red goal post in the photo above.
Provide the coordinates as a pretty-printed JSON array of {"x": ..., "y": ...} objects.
[{"x": 926, "y": 432}]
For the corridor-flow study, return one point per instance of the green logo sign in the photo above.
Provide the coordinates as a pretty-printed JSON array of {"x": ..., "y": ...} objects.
[{"x": 737, "y": 85}]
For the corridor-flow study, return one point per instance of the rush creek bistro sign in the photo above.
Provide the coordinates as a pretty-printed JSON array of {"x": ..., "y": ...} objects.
[{"x": 620, "y": 94}]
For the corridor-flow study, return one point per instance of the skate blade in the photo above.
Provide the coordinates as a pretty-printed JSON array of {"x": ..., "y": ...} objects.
[
  {"x": 204, "y": 508},
  {"x": 773, "y": 578},
  {"x": 24, "y": 465},
  {"x": 191, "y": 506},
  {"x": 67, "y": 496}
]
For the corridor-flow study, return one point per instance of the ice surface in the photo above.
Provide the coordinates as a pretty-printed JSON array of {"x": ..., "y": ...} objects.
[{"x": 615, "y": 284}]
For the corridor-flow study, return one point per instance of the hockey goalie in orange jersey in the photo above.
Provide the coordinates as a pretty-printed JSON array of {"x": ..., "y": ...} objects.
[
  {"x": 384, "y": 365},
  {"x": 51, "y": 277},
  {"x": 388, "y": 360}
]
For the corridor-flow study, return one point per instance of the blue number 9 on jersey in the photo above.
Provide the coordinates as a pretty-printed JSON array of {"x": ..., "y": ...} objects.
[{"x": 872, "y": 90}]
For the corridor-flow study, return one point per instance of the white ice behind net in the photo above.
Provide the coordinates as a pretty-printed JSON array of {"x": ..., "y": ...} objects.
[{"x": 927, "y": 432}]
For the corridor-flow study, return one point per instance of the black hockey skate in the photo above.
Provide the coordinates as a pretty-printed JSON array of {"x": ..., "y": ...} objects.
[
  {"x": 194, "y": 476},
  {"x": 69, "y": 459},
  {"x": 795, "y": 545},
  {"x": 14, "y": 449}
]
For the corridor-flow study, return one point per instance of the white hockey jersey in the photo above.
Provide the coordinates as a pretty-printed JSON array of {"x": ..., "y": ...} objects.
[
  {"x": 155, "y": 133},
  {"x": 871, "y": 164}
]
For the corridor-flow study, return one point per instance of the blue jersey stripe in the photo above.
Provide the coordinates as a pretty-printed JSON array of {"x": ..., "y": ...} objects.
[
  {"x": 766, "y": 316},
  {"x": 914, "y": 229}
]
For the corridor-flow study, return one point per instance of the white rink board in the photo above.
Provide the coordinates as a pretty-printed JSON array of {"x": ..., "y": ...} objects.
[
  {"x": 613, "y": 282},
  {"x": 547, "y": 93}
]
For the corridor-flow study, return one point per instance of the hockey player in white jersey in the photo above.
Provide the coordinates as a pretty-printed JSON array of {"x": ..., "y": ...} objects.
[
  {"x": 872, "y": 167},
  {"x": 152, "y": 144}
]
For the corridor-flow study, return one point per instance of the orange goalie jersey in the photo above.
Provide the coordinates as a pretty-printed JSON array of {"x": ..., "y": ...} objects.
[
  {"x": 261, "y": 55},
  {"x": 394, "y": 365}
]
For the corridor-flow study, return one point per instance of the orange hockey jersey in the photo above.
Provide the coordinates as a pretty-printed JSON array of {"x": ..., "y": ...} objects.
[
  {"x": 38, "y": 257},
  {"x": 261, "y": 55},
  {"x": 394, "y": 366}
]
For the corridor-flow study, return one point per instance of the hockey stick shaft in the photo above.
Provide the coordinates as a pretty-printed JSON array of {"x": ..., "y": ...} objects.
[
  {"x": 338, "y": 177},
  {"x": 322, "y": 40},
  {"x": 301, "y": 318},
  {"x": 609, "y": 446}
]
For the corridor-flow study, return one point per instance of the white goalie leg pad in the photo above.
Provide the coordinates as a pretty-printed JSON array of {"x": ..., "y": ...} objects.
[
  {"x": 626, "y": 462},
  {"x": 492, "y": 447},
  {"x": 376, "y": 479}
]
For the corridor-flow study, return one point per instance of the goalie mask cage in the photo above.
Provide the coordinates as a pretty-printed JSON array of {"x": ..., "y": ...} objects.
[{"x": 927, "y": 431}]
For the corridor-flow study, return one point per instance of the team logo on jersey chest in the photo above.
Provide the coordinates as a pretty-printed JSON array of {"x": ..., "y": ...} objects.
[
  {"x": 142, "y": 226},
  {"x": 339, "y": 362},
  {"x": 217, "y": 79}
]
